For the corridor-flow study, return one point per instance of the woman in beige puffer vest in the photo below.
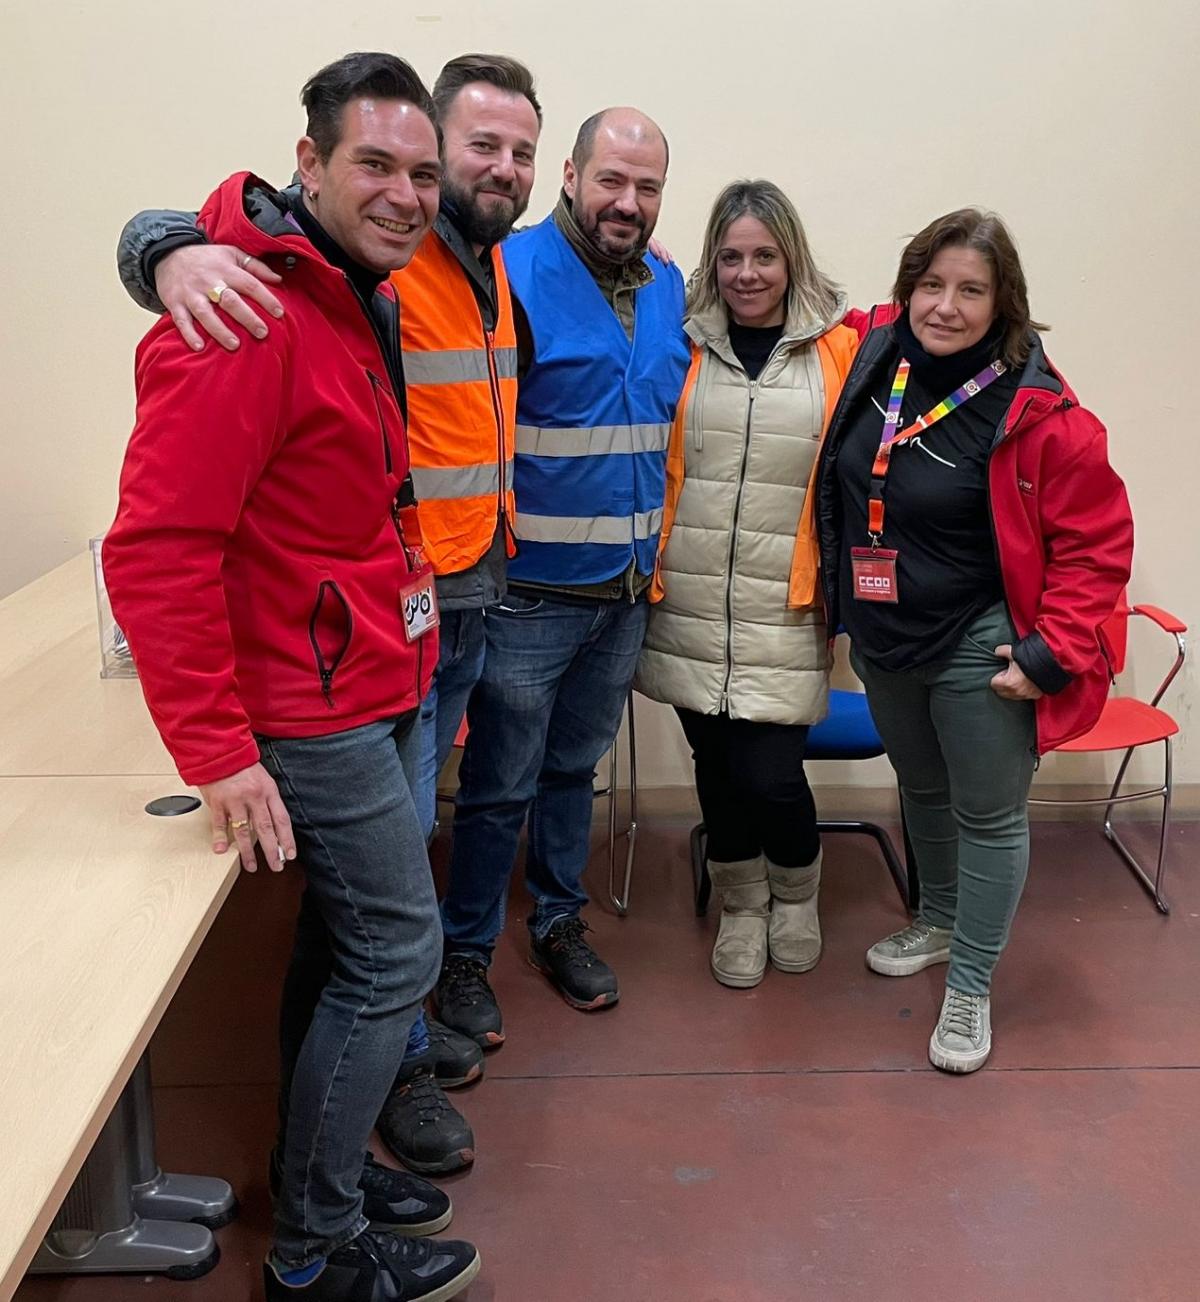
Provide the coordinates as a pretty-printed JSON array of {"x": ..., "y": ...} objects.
[{"x": 746, "y": 674}]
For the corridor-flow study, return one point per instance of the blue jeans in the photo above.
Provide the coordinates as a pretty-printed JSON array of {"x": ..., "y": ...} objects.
[
  {"x": 367, "y": 951},
  {"x": 460, "y": 662},
  {"x": 547, "y": 708}
]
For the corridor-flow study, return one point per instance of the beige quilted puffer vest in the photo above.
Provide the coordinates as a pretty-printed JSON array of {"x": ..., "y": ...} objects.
[{"x": 723, "y": 637}]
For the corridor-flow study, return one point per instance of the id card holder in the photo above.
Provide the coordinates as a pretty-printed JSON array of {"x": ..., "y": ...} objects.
[
  {"x": 418, "y": 604},
  {"x": 874, "y": 573}
]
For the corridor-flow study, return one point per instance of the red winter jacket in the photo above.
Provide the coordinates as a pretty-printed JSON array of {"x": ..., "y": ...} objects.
[
  {"x": 255, "y": 562},
  {"x": 1061, "y": 520}
]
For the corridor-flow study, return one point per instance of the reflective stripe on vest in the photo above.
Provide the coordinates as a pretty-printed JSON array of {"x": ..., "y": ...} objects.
[
  {"x": 458, "y": 366},
  {"x": 607, "y": 529},
  {"x": 459, "y": 481},
  {"x": 594, "y": 441},
  {"x": 462, "y": 399}
]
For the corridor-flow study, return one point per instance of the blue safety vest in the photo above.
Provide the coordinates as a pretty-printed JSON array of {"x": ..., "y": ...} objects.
[{"x": 594, "y": 415}]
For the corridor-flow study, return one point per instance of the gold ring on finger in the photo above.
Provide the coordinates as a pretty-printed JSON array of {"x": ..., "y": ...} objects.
[
  {"x": 238, "y": 823},
  {"x": 214, "y": 294}
]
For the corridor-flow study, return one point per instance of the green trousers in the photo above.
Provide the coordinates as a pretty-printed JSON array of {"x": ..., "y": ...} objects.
[{"x": 964, "y": 758}]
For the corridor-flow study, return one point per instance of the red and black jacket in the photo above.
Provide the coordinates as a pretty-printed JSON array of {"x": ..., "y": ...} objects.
[
  {"x": 1060, "y": 519},
  {"x": 256, "y": 560}
]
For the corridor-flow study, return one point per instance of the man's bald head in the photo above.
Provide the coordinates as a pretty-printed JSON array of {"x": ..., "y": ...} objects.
[{"x": 628, "y": 124}]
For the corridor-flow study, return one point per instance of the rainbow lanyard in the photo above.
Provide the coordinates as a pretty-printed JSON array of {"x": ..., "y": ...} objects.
[{"x": 891, "y": 426}]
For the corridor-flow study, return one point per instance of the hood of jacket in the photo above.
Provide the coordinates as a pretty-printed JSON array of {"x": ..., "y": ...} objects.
[{"x": 247, "y": 211}]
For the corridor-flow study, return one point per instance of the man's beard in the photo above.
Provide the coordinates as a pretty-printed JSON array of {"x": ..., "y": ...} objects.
[
  {"x": 477, "y": 224},
  {"x": 615, "y": 250}
]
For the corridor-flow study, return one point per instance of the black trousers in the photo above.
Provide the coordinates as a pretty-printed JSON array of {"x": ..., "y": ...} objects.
[{"x": 753, "y": 792}]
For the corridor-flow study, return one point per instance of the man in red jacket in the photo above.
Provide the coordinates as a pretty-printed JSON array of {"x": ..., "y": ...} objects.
[{"x": 266, "y": 567}]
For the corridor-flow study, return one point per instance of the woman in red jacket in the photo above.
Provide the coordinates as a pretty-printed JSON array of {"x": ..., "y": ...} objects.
[{"x": 973, "y": 540}]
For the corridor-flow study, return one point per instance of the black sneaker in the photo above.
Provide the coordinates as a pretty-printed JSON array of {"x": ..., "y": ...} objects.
[
  {"x": 422, "y": 1128},
  {"x": 392, "y": 1200},
  {"x": 583, "y": 978},
  {"x": 465, "y": 1001},
  {"x": 384, "y": 1268},
  {"x": 455, "y": 1059}
]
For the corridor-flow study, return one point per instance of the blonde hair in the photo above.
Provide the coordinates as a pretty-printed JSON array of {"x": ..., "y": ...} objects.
[{"x": 809, "y": 289}]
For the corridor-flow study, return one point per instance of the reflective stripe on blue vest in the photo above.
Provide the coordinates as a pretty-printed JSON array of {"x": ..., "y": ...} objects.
[{"x": 594, "y": 415}]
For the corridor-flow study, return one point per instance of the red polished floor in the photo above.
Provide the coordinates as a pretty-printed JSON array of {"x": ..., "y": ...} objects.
[{"x": 697, "y": 1144}]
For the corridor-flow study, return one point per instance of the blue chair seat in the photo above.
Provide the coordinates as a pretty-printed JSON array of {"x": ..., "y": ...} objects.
[{"x": 847, "y": 732}]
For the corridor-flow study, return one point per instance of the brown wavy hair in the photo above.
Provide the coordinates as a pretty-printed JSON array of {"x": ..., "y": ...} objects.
[{"x": 986, "y": 233}]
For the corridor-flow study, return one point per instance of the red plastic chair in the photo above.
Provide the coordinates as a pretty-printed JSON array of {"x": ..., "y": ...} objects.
[{"x": 1126, "y": 724}]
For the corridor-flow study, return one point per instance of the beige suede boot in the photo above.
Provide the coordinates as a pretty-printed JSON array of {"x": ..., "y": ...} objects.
[
  {"x": 795, "y": 931},
  {"x": 739, "y": 957}
]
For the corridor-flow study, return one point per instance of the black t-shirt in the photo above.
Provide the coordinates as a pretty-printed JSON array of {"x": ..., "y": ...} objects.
[
  {"x": 752, "y": 345},
  {"x": 937, "y": 511}
]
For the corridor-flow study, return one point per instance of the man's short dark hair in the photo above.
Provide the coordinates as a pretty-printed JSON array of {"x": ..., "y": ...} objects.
[
  {"x": 359, "y": 76},
  {"x": 495, "y": 69}
]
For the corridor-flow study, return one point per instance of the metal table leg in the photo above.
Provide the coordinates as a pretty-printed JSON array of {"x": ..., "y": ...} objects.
[
  {"x": 100, "y": 1229},
  {"x": 157, "y": 1194}
]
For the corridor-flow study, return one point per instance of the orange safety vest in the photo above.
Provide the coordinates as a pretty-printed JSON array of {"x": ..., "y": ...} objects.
[{"x": 462, "y": 402}]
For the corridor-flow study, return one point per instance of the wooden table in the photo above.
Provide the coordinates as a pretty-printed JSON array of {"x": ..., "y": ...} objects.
[{"x": 102, "y": 907}]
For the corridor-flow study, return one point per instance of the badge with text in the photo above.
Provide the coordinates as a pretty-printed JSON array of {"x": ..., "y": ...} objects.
[
  {"x": 873, "y": 570},
  {"x": 418, "y": 604}
]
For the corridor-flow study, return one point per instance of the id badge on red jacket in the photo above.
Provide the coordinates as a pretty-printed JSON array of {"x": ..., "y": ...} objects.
[
  {"x": 418, "y": 604},
  {"x": 873, "y": 570}
]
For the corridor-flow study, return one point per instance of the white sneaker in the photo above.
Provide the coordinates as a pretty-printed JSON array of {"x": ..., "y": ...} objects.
[
  {"x": 917, "y": 946},
  {"x": 962, "y": 1038}
]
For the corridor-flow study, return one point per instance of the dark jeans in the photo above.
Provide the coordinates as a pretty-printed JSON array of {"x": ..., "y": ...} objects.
[
  {"x": 367, "y": 951},
  {"x": 964, "y": 757},
  {"x": 460, "y": 662},
  {"x": 753, "y": 792},
  {"x": 555, "y": 680}
]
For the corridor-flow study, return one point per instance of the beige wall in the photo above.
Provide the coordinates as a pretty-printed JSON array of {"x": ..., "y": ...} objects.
[{"x": 1078, "y": 121}]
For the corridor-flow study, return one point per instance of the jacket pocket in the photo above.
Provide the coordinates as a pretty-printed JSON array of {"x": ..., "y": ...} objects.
[
  {"x": 330, "y": 628},
  {"x": 376, "y": 385}
]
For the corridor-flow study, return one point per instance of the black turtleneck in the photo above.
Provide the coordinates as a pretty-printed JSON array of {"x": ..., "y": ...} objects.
[
  {"x": 938, "y": 517},
  {"x": 380, "y": 309},
  {"x": 752, "y": 345}
]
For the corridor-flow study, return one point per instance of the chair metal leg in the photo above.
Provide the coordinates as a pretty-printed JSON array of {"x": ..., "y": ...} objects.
[
  {"x": 702, "y": 882},
  {"x": 904, "y": 878},
  {"x": 910, "y": 859},
  {"x": 620, "y": 900},
  {"x": 900, "y": 875},
  {"x": 1153, "y": 885}
]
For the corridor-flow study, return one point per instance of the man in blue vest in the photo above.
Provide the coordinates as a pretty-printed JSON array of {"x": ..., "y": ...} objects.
[{"x": 607, "y": 360}]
